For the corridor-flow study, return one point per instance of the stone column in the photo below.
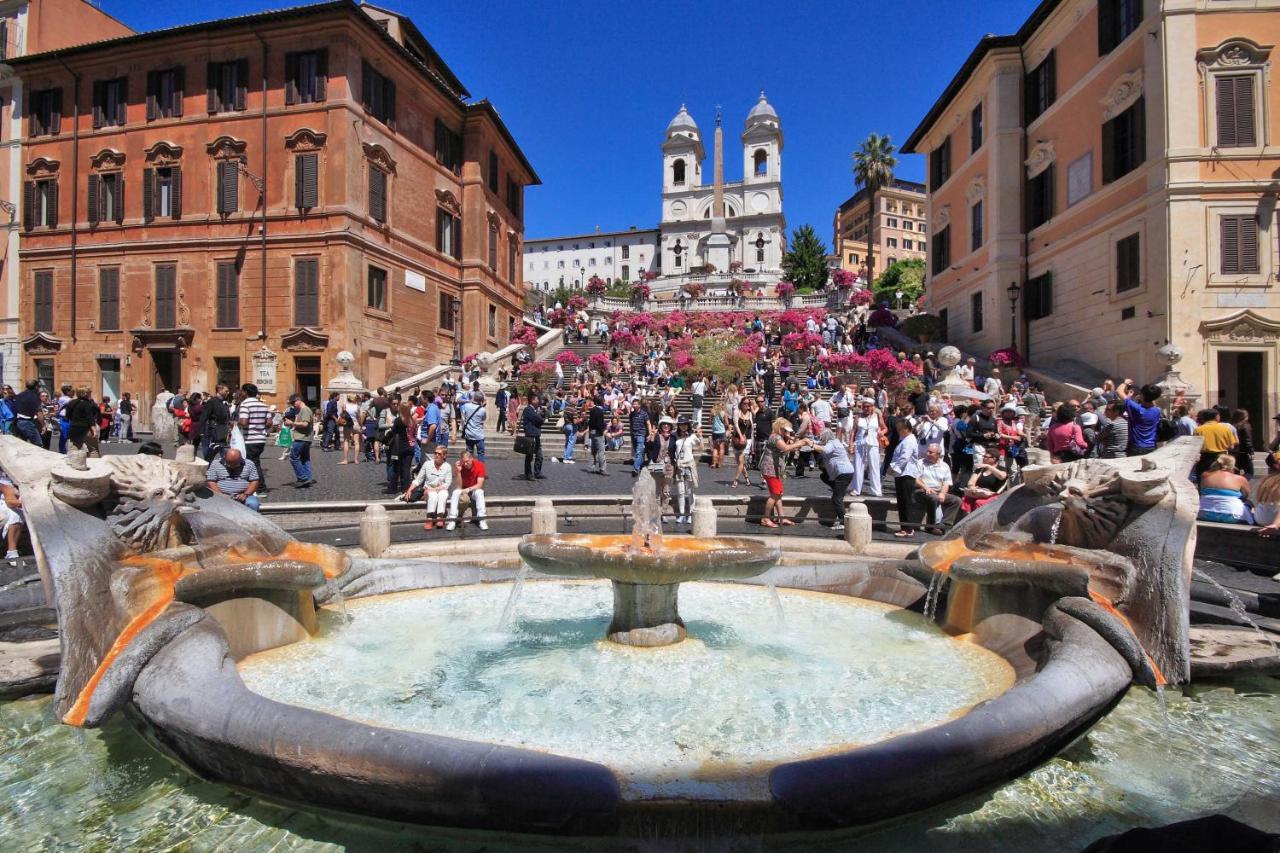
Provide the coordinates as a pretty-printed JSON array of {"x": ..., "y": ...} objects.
[
  {"x": 857, "y": 527},
  {"x": 375, "y": 530},
  {"x": 704, "y": 518},
  {"x": 543, "y": 516}
]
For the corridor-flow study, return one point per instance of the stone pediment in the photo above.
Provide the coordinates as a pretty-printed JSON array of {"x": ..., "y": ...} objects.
[
  {"x": 107, "y": 158},
  {"x": 177, "y": 339},
  {"x": 226, "y": 146},
  {"x": 42, "y": 343},
  {"x": 305, "y": 339},
  {"x": 1124, "y": 92},
  {"x": 305, "y": 139},
  {"x": 380, "y": 157},
  {"x": 164, "y": 154},
  {"x": 449, "y": 202},
  {"x": 42, "y": 167},
  {"x": 1243, "y": 326}
]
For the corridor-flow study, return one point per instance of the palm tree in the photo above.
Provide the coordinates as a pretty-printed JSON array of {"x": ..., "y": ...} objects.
[{"x": 873, "y": 165}]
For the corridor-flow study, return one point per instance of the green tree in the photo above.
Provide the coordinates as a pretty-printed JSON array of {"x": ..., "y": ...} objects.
[
  {"x": 873, "y": 165},
  {"x": 907, "y": 276},
  {"x": 805, "y": 263}
]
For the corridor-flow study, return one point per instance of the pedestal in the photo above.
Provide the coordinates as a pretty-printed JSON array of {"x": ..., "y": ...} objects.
[
  {"x": 857, "y": 527},
  {"x": 646, "y": 614}
]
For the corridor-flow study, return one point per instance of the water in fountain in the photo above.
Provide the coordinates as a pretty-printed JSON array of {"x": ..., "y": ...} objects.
[
  {"x": 646, "y": 514},
  {"x": 509, "y": 609},
  {"x": 1237, "y": 607},
  {"x": 340, "y": 600},
  {"x": 931, "y": 597},
  {"x": 777, "y": 604}
]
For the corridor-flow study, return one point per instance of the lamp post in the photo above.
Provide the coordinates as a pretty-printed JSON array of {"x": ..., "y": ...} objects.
[
  {"x": 455, "y": 305},
  {"x": 1013, "y": 290}
]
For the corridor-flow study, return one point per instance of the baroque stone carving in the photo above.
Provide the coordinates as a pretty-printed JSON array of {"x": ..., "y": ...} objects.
[
  {"x": 1234, "y": 52},
  {"x": 42, "y": 167},
  {"x": 943, "y": 219},
  {"x": 164, "y": 154},
  {"x": 148, "y": 491},
  {"x": 1243, "y": 326},
  {"x": 449, "y": 202},
  {"x": 1042, "y": 157},
  {"x": 225, "y": 147},
  {"x": 305, "y": 340},
  {"x": 305, "y": 139},
  {"x": 41, "y": 344},
  {"x": 107, "y": 158},
  {"x": 378, "y": 156},
  {"x": 1123, "y": 93},
  {"x": 977, "y": 188}
]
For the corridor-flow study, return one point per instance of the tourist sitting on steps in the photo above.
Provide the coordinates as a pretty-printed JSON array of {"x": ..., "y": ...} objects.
[
  {"x": 469, "y": 474},
  {"x": 1223, "y": 492},
  {"x": 434, "y": 478},
  {"x": 933, "y": 490},
  {"x": 235, "y": 477}
]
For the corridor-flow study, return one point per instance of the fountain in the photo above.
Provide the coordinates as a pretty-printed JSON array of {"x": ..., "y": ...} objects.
[
  {"x": 645, "y": 569},
  {"x": 223, "y": 638}
]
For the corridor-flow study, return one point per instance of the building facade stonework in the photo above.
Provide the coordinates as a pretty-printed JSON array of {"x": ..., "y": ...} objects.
[
  {"x": 1116, "y": 161},
  {"x": 572, "y": 261},
  {"x": 293, "y": 183},
  {"x": 898, "y": 227}
]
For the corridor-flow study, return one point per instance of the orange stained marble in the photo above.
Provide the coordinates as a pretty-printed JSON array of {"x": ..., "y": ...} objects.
[
  {"x": 1105, "y": 603},
  {"x": 157, "y": 585},
  {"x": 604, "y": 542}
]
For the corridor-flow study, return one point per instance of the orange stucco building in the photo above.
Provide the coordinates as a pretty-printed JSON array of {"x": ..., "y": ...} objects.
[
  {"x": 1116, "y": 160},
  {"x": 240, "y": 200},
  {"x": 898, "y": 228}
]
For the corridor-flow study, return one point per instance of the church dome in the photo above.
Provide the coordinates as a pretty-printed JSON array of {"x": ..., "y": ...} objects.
[
  {"x": 763, "y": 110},
  {"x": 682, "y": 121}
]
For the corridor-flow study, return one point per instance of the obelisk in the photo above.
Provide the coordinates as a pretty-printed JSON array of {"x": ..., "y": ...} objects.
[{"x": 719, "y": 248}]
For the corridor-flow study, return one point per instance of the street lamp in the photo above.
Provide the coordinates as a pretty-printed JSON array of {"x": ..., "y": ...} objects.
[
  {"x": 455, "y": 305},
  {"x": 1013, "y": 290}
]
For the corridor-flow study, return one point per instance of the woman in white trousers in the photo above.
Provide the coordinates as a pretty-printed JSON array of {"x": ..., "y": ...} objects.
[{"x": 867, "y": 427}]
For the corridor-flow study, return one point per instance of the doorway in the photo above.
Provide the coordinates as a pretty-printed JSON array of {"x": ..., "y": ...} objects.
[
  {"x": 109, "y": 370},
  {"x": 1241, "y": 385},
  {"x": 167, "y": 373},
  {"x": 307, "y": 369}
]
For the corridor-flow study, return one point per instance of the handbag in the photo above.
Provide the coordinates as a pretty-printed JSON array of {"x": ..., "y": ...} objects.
[
  {"x": 523, "y": 445},
  {"x": 739, "y": 442}
]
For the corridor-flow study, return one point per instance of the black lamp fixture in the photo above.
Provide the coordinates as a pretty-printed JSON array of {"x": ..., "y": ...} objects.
[
  {"x": 455, "y": 306},
  {"x": 1014, "y": 291}
]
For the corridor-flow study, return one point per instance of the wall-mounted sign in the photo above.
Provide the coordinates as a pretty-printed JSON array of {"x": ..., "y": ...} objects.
[
  {"x": 264, "y": 370},
  {"x": 415, "y": 280}
]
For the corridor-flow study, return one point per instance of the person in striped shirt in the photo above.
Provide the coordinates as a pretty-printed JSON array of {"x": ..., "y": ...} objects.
[
  {"x": 255, "y": 422},
  {"x": 235, "y": 477}
]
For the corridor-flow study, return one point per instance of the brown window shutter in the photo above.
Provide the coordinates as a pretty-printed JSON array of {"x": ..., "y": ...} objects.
[
  {"x": 28, "y": 205},
  {"x": 306, "y": 180},
  {"x": 55, "y": 118},
  {"x": 366, "y": 85},
  {"x": 322, "y": 73},
  {"x": 1225, "y": 103},
  {"x": 1108, "y": 151},
  {"x": 1249, "y": 245},
  {"x": 242, "y": 82},
  {"x": 212, "y": 74},
  {"x": 175, "y": 190},
  {"x": 389, "y": 102},
  {"x": 53, "y": 204},
  {"x": 99, "y": 98},
  {"x": 153, "y": 90},
  {"x": 299, "y": 169},
  {"x": 228, "y": 195},
  {"x": 148, "y": 193},
  {"x": 1246, "y": 130},
  {"x": 122, "y": 104},
  {"x": 35, "y": 127},
  {"x": 95, "y": 198},
  {"x": 120, "y": 199},
  {"x": 179, "y": 90},
  {"x": 1229, "y": 244},
  {"x": 290, "y": 79},
  {"x": 377, "y": 194}
]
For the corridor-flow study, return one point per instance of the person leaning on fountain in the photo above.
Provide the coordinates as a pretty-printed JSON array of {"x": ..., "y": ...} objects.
[
  {"x": 470, "y": 492},
  {"x": 933, "y": 490},
  {"x": 235, "y": 477},
  {"x": 434, "y": 478},
  {"x": 12, "y": 514}
]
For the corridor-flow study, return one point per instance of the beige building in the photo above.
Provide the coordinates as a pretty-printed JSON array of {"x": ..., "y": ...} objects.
[
  {"x": 898, "y": 228},
  {"x": 1116, "y": 160}
]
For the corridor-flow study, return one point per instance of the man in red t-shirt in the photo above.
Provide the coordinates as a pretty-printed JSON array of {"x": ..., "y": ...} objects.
[{"x": 469, "y": 476}]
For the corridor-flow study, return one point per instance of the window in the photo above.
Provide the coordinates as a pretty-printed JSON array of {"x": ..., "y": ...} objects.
[
  {"x": 164, "y": 93},
  {"x": 377, "y": 297},
  {"x": 944, "y": 321},
  {"x": 45, "y": 115},
  {"x": 43, "y": 301},
  {"x": 677, "y": 172},
  {"x": 1128, "y": 313},
  {"x": 513, "y": 261},
  {"x": 1234, "y": 97},
  {"x": 975, "y": 129},
  {"x": 941, "y": 254},
  {"x": 40, "y": 204},
  {"x": 493, "y": 321},
  {"x": 1038, "y": 298},
  {"x": 853, "y": 258},
  {"x": 493, "y": 247},
  {"x": 975, "y": 312},
  {"x": 448, "y": 148},
  {"x": 227, "y": 308},
  {"x": 227, "y": 85},
  {"x": 306, "y": 292},
  {"x": 446, "y": 312},
  {"x": 1128, "y": 264},
  {"x": 493, "y": 171},
  {"x": 513, "y": 196},
  {"x": 378, "y": 194},
  {"x": 1239, "y": 245},
  {"x": 591, "y": 262},
  {"x": 162, "y": 193},
  {"x": 448, "y": 233},
  {"x": 108, "y": 299},
  {"x": 626, "y": 272},
  {"x": 940, "y": 164},
  {"x": 920, "y": 227},
  {"x": 110, "y": 101},
  {"x": 975, "y": 226},
  {"x": 761, "y": 160},
  {"x": 306, "y": 180},
  {"x": 559, "y": 265},
  {"x": 306, "y": 75},
  {"x": 891, "y": 222},
  {"x": 228, "y": 187},
  {"x": 1041, "y": 88},
  {"x": 106, "y": 198},
  {"x": 1124, "y": 142},
  {"x": 228, "y": 370},
  {"x": 378, "y": 95},
  {"x": 892, "y": 242},
  {"x": 1116, "y": 20},
  {"x": 1040, "y": 199},
  {"x": 626, "y": 252},
  {"x": 166, "y": 296}
]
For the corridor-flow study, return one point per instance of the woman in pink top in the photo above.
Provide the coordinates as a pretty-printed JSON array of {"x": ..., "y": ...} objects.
[{"x": 1064, "y": 440}]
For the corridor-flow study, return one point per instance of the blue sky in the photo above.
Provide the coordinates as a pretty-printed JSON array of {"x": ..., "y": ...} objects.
[{"x": 587, "y": 88}]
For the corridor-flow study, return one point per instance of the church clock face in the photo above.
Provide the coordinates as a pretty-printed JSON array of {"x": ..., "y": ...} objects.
[
  {"x": 759, "y": 202},
  {"x": 677, "y": 209}
]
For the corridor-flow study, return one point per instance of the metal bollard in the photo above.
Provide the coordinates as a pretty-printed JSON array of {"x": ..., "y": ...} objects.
[
  {"x": 704, "y": 518},
  {"x": 375, "y": 530},
  {"x": 857, "y": 527},
  {"x": 543, "y": 516}
]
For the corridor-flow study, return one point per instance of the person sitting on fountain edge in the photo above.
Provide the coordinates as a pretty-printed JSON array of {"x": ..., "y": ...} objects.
[
  {"x": 235, "y": 477},
  {"x": 470, "y": 475},
  {"x": 933, "y": 490}
]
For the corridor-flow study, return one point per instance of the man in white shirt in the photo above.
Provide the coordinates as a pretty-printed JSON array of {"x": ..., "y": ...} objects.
[
  {"x": 255, "y": 419},
  {"x": 933, "y": 490},
  {"x": 903, "y": 467},
  {"x": 965, "y": 371},
  {"x": 697, "y": 394},
  {"x": 933, "y": 428},
  {"x": 993, "y": 386}
]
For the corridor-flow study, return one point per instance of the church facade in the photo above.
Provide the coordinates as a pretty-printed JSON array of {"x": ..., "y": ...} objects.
[{"x": 692, "y": 233}]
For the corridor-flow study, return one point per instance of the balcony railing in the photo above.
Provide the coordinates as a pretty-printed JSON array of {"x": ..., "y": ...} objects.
[{"x": 607, "y": 304}]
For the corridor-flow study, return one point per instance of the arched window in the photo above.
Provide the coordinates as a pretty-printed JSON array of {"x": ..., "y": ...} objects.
[
  {"x": 677, "y": 172},
  {"x": 762, "y": 162}
]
